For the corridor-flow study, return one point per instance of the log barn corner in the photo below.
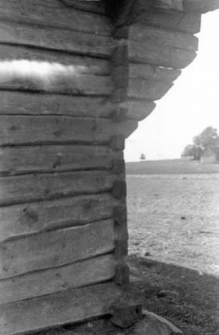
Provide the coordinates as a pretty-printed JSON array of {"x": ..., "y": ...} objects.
[{"x": 76, "y": 76}]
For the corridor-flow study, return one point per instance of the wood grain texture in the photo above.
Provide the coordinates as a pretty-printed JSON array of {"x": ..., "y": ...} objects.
[
  {"x": 54, "y": 129},
  {"x": 37, "y": 217},
  {"x": 36, "y": 187},
  {"x": 57, "y": 309},
  {"x": 56, "y": 39},
  {"x": 47, "y": 158},
  {"x": 139, "y": 109},
  {"x": 82, "y": 64},
  {"x": 173, "y": 39},
  {"x": 154, "y": 54},
  {"x": 60, "y": 16},
  {"x": 56, "y": 248},
  {"x": 146, "y": 89},
  {"x": 200, "y": 6},
  {"x": 166, "y": 4},
  {"x": 13, "y": 103},
  {"x": 65, "y": 82},
  {"x": 172, "y": 20},
  {"x": 145, "y": 71},
  {"x": 37, "y": 284}
]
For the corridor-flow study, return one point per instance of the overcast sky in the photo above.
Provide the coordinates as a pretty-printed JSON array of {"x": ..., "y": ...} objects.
[{"x": 188, "y": 108}]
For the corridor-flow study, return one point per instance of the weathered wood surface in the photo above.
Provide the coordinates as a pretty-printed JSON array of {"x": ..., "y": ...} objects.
[
  {"x": 37, "y": 217},
  {"x": 48, "y": 58},
  {"x": 89, "y": 6},
  {"x": 58, "y": 15},
  {"x": 58, "y": 309},
  {"x": 54, "y": 158},
  {"x": 56, "y": 39},
  {"x": 52, "y": 249},
  {"x": 173, "y": 39},
  {"x": 53, "y": 129},
  {"x": 172, "y": 20},
  {"x": 22, "y": 103},
  {"x": 166, "y": 4},
  {"x": 13, "y": 103},
  {"x": 44, "y": 282},
  {"x": 159, "y": 55},
  {"x": 201, "y": 6},
  {"x": 36, "y": 187},
  {"x": 145, "y": 89},
  {"x": 145, "y": 71},
  {"x": 58, "y": 80},
  {"x": 139, "y": 109}
]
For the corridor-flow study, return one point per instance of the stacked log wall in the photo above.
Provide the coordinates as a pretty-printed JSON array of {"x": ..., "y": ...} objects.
[
  {"x": 62, "y": 202},
  {"x": 72, "y": 88}
]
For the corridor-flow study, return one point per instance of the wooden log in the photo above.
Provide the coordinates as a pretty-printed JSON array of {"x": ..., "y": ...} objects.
[
  {"x": 56, "y": 39},
  {"x": 59, "y": 16},
  {"x": 36, "y": 187},
  {"x": 32, "y": 218},
  {"x": 53, "y": 129},
  {"x": 45, "y": 282},
  {"x": 145, "y": 71},
  {"x": 81, "y": 64},
  {"x": 88, "y": 6},
  {"x": 58, "y": 80},
  {"x": 146, "y": 89},
  {"x": 200, "y": 6},
  {"x": 140, "y": 109},
  {"x": 13, "y": 103},
  {"x": 56, "y": 248},
  {"x": 154, "y": 54},
  {"x": 166, "y": 4},
  {"x": 172, "y": 20},
  {"x": 22, "y": 103},
  {"x": 173, "y": 39},
  {"x": 57, "y": 309},
  {"x": 47, "y": 158}
]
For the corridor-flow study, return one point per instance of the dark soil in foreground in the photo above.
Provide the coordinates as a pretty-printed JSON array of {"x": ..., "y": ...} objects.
[{"x": 183, "y": 296}]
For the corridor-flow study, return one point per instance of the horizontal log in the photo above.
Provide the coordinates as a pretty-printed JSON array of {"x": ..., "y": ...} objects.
[
  {"x": 20, "y": 160},
  {"x": 146, "y": 89},
  {"x": 172, "y": 20},
  {"x": 56, "y": 39},
  {"x": 32, "y": 218},
  {"x": 145, "y": 71},
  {"x": 13, "y": 103},
  {"x": 44, "y": 282},
  {"x": 200, "y": 6},
  {"x": 166, "y": 4},
  {"x": 46, "y": 58},
  {"x": 56, "y": 79},
  {"x": 139, "y": 110},
  {"x": 36, "y": 187},
  {"x": 154, "y": 54},
  {"x": 54, "y": 129},
  {"x": 52, "y": 249},
  {"x": 60, "y": 16},
  {"x": 57, "y": 309},
  {"x": 88, "y": 6},
  {"x": 173, "y": 39},
  {"x": 30, "y": 188}
]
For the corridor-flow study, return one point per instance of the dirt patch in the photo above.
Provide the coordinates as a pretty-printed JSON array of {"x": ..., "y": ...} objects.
[{"x": 174, "y": 247}]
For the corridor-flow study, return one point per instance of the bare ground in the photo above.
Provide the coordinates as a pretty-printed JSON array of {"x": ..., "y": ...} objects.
[{"x": 174, "y": 247}]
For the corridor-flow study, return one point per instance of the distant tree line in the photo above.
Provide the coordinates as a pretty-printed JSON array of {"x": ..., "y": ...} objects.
[{"x": 206, "y": 140}]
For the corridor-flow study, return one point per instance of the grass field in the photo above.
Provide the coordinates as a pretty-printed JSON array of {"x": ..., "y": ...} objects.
[
  {"x": 173, "y": 216},
  {"x": 173, "y": 166}
]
